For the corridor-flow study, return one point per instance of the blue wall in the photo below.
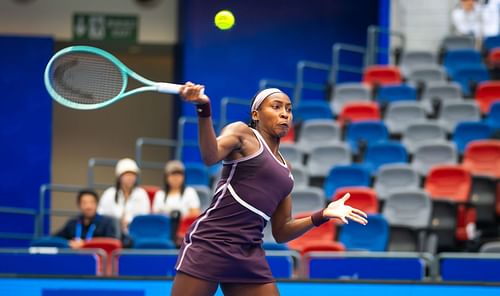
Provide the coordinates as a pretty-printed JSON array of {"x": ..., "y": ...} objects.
[
  {"x": 268, "y": 40},
  {"x": 25, "y": 129}
]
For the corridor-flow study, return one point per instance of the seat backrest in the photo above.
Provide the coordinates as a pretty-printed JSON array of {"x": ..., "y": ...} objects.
[
  {"x": 457, "y": 58},
  {"x": 373, "y": 236},
  {"x": 151, "y": 191},
  {"x": 430, "y": 154},
  {"x": 470, "y": 74},
  {"x": 454, "y": 112},
  {"x": 449, "y": 182},
  {"x": 408, "y": 207},
  {"x": 427, "y": 74},
  {"x": 323, "y": 157},
  {"x": 442, "y": 90},
  {"x": 458, "y": 42},
  {"x": 491, "y": 42},
  {"x": 204, "y": 194},
  {"x": 321, "y": 246},
  {"x": 300, "y": 176},
  {"x": 107, "y": 244},
  {"x": 318, "y": 131},
  {"x": 307, "y": 110},
  {"x": 349, "y": 92},
  {"x": 466, "y": 132},
  {"x": 379, "y": 154},
  {"x": 196, "y": 174},
  {"x": 417, "y": 58},
  {"x": 482, "y": 157},
  {"x": 308, "y": 199},
  {"x": 359, "y": 111},
  {"x": 419, "y": 133},
  {"x": 490, "y": 247},
  {"x": 395, "y": 177},
  {"x": 393, "y": 93},
  {"x": 363, "y": 198},
  {"x": 370, "y": 132},
  {"x": 401, "y": 114},
  {"x": 292, "y": 153},
  {"x": 345, "y": 175},
  {"x": 382, "y": 75},
  {"x": 493, "y": 117},
  {"x": 487, "y": 93},
  {"x": 150, "y": 227}
]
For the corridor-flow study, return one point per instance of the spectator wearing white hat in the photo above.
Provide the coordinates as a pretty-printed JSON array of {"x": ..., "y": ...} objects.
[
  {"x": 126, "y": 200},
  {"x": 176, "y": 196}
]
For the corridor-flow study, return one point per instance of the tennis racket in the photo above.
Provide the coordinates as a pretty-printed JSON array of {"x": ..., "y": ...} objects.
[{"x": 85, "y": 78}]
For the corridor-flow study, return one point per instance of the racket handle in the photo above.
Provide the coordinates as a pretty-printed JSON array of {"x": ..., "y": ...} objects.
[{"x": 172, "y": 88}]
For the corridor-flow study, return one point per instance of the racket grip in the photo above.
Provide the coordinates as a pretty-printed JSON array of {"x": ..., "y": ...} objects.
[{"x": 172, "y": 88}]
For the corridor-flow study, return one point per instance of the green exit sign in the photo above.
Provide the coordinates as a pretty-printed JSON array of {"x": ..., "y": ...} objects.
[{"x": 105, "y": 27}]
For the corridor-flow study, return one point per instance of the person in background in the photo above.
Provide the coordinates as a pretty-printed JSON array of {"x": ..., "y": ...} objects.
[
  {"x": 125, "y": 200},
  {"x": 472, "y": 18},
  {"x": 176, "y": 200},
  {"x": 88, "y": 224}
]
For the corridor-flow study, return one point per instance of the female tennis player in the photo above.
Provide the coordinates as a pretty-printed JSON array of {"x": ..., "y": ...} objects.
[{"x": 223, "y": 246}]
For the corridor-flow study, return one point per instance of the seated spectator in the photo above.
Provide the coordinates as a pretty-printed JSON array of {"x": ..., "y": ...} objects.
[
  {"x": 126, "y": 200},
  {"x": 89, "y": 224},
  {"x": 176, "y": 196},
  {"x": 471, "y": 18}
]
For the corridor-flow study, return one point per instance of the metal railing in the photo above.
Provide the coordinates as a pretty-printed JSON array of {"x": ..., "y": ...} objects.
[
  {"x": 92, "y": 163},
  {"x": 372, "y": 43}
]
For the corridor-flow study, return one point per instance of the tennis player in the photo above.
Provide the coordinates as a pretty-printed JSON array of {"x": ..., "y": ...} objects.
[{"x": 223, "y": 246}]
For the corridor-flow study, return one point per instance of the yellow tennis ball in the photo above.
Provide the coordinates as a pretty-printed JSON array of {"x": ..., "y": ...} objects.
[{"x": 224, "y": 20}]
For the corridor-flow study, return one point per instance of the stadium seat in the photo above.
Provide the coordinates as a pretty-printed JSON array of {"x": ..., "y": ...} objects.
[
  {"x": 367, "y": 132},
  {"x": 394, "y": 93},
  {"x": 379, "y": 154},
  {"x": 273, "y": 246},
  {"x": 487, "y": 93},
  {"x": 151, "y": 231},
  {"x": 452, "y": 42},
  {"x": 290, "y": 136},
  {"x": 399, "y": 115},
  {"x": 460, "y": 58},
  {"x": 356, "y": 112},
  {"x": 493, "y": 117},
  {"x": 381, "y": 75},
  {"x": 494, "y": 59},
  {"x": 50, "y": 241},
  {"x": 314, "y": 109},
  {"x": 483, "y": 198},
  {"x": 490, "y": 247},
  {"x": 204, "y": 194},
  {"x": 420, "y": 133},
  {"x": 452, "y": 113},
  {"x": 491, "y": 42},
  {"x": 321, "y": 246},
  {"x": 184, "y": 225},
  {"x": 482, "y": 157},
  {"x": 410, "y": 208},
  {"x": 323, "y": 233},
  {"x": 292, "y": 153},
  {"x": 426, "y": 74},
  {"x": 439, "y": 92},
  {"x": 345, "y": 175},
  {"x": 470, "y": 75},
  {"x": 151, "y": 191},
  {"x": 411, "y": 60},
  {"x": 404, "y": 239},
  {"x": 373, "y": 236},
  {"x": 430, "y": 154},
  {"x": 109, "y": 245},
  {"x": 347, "y": 93},
  {"x": 197, "y": 174},
  {"x": 316, "y": 132},
  {"x": 324, "y": 157},
  {"x": 395, "y": 177},
  {"x": 363, "y": 198},
  {"x": 309, "y": 199},
  {"x": 300, "y": 176},
  {"x": 466, "y": 132}
]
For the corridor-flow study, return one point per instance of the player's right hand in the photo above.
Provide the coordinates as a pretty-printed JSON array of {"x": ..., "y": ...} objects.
[{"x": 191, "y": 92}]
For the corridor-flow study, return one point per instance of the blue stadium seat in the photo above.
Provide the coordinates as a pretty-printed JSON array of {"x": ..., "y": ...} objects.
[
  {"x": 272, "y": 246},
  {"x": 197, "y": 174},
  {"x": 370, "y": 132},
  {"x": 379, "y": 154},
  {"x": 491, "y": 42},
  {"x": 493, "y": 117},
  {"x": 50, "y": 241},
  {"x": 151, "y": 232},
  {"x": 344, "y": 176},
  {"x": 306, "y": 110},
  {"x": 458, "y": 58},
  {"x": 373, "y": 236},
  {"x": 469, "y": 74},
  {"x": 393, "y": 93},
  {"x": 466, "y": 132}
]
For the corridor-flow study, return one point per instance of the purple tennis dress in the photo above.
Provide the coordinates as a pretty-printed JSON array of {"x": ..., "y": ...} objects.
[{"x": 224, "y": 243}]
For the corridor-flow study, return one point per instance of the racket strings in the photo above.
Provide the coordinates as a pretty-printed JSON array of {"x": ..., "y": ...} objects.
[{"x": 86, "y": 78}]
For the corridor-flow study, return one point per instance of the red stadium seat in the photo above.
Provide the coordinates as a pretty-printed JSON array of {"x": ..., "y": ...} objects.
[
  {"x": 109, "y": 245},
  {"x": 494, "y": 58},
  {"x": 487, "y": 93},
  {"x": 151, "y": 191},
  {"x": 382, "y": 75},
  {"x": 325, "y": 233},
  {"x": 363, "y": 198},
  {"x": 322, "y": 246},
  {"x": 359, "y": 111},
  {"x": 482, "y": 157},
  {"x": 290, "y": 136},
  {"x": 184, "y": 225}
]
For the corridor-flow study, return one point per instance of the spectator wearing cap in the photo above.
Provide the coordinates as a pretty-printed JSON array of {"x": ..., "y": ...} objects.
[
  {"x": 125, "y": 200},
  {"x": 88, "y": 224},
  {"x": 176, "y": 196}
]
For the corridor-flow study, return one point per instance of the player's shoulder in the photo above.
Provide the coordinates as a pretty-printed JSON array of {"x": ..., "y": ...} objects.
[{"x": 238, "y": 127}]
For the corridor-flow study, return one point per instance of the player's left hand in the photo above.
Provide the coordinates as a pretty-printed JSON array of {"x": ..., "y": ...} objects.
[{"x": 338, "y": 209}]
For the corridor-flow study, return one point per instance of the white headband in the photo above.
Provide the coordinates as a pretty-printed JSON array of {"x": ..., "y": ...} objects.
[{"x": 262, "y": 95}]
